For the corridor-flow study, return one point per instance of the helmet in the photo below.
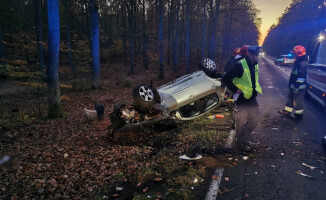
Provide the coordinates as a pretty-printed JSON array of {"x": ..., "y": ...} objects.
[
  {"x": 252, "y": 49},
  {"x": 244, "y": 50},
  {"x": 236, "y": 51},
  {"x": 299, "y": 50}
]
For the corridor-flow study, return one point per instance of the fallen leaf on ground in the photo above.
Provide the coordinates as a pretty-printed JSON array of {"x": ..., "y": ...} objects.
[
  {"x": 158, "y": 179},
  {"x": 226, "y": 190},
  {"x": 297, "y": 143},
  {"x": 302, "y": 174},
  {"x": 145, "y": 189},
  {"x": 311, "y": 167}
]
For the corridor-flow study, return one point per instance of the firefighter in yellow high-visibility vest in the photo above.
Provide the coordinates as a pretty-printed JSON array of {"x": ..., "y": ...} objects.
[{"x": 243, "y": 81}]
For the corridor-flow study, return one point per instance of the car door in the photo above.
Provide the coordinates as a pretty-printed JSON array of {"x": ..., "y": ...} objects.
[{"x": 316, "y": 74}]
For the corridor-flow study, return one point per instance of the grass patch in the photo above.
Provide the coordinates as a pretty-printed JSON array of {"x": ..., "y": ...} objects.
[
  {"x": 164, "y": 175},
  {"x": 125, "y": 83},
  {"x": 15, "y": 120}
]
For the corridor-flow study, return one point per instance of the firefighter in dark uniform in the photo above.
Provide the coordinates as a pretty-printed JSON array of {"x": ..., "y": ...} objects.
[
  {"x": 297, "y": 85},
  {"x": 242, "y": 80}
]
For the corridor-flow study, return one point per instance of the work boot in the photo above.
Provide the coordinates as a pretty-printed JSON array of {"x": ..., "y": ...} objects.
[
  {"x": 298, "y": 117},
  {"x": 284, "y": 112}
]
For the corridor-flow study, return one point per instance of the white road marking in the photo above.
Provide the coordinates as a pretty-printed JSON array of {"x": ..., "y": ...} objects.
[
  {"x": 271, "y": 62},
  {"x": 215, "y": 184},
  {"x": 230, "y": 139},
  {"x": 213, "y": 188}
]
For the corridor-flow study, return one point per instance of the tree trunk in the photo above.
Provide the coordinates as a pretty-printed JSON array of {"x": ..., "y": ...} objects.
[
  {"x": 176, "y": 39},
  {"x": 2, "y": 51},
  {"x": 95, "y": 44},
  {"x": 203, "y": 32},
  {"x": 39, "y": 31},
  {"x": 145, "y": 59},
  {"x": 55, "y": 106},
  {"x": 170, "y": 30},
  {"x": 67, "y": 16},
  {"x": 124, "y": 35},
  {"x": 131, "y": 36},
  {"x": 160, "y": 38},
  {"x": 187, "y": 36},
  {"x": 212, "y": 47}
]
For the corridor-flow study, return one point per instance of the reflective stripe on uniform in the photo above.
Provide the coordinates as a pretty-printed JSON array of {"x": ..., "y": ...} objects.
[
  {"x": 302, "y": 87},
  {"x": 295, "y": 72},
  {"x": 292, "y": 86},
  {"x": 288, "y": 109},
  {"x": 300, "y": 80},
  {"x": 300, "y": 112}
]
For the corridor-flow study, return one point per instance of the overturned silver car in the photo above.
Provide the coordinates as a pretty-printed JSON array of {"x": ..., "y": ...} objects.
[{"x": 183, "y": 99}]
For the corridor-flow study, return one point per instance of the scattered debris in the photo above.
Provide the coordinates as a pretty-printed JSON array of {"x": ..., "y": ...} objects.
[
  {"x": 5, "y": 159},
  {"x": 297, "y": 143},
  {"x": 215, "y": 116},
  {"x": 245, "y": 157},
  {"x": 311, "y": 167},
  {"x": 256, "y": 173},
  {"x": 275, "y": 129},
  {"x": 119, "y": 188},
  {"x": 302, "y": 174},
  {"x": 227, "y": 178},
  {"x": 282, "y": 154},
  {"x": 100, "y": 111},
  {"x": 197, "y": 157},
  {"x": 219, "y": 116},
  {"x": 90, "y": 114},
  {"x": 193, "y": 152},
  {"x": 226, "y": 190},
  {"x": 269, "y": 148}
]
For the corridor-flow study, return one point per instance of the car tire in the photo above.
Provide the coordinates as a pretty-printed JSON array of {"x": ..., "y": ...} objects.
[
  {"x": 143, "y": 96},
  {"x": 208, "y": 66}
]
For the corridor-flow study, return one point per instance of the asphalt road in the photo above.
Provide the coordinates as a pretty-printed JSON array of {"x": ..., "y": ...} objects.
[{"x": 282, "y": 145}]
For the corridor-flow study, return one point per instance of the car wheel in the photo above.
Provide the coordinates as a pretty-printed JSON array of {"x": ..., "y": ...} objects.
[
  {"x": 143, "y": 96},
  {"x": 209, "y": 67}
]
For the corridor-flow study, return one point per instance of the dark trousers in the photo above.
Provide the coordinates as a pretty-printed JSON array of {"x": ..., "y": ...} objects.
[
  {"x": 295, "y": 102},
  {"x": 246, "y": 118}
]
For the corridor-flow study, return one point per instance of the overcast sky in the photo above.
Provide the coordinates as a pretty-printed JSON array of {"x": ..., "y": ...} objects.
[{"x": 270, "y": 10}]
